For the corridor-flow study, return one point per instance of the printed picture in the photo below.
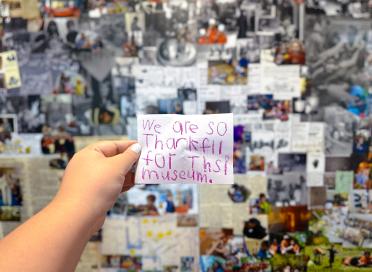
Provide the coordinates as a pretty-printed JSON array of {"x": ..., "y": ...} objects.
[
  {"x": 289, "y": 219},
  {"x": 292, "y": 162},
  {"x": 8, "y": 123},
  {"x": 10, "y": 194},
  {"x": 230, "y": 72},
  {"x": 155, "y": 200},
  {"x": 215, "y": 107},
  {"x": 127, "y": 263},
  {"x": 289, "y": 189},
  {"x": 187, "y": 264}
]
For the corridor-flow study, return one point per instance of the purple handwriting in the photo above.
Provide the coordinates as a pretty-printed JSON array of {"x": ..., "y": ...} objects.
[
  {"x": 186, "y": 127},
  {"x": 190, "y": 144}
]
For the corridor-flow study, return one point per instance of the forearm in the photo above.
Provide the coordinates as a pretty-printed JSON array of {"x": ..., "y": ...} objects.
[{"x": 52, "y": 240}]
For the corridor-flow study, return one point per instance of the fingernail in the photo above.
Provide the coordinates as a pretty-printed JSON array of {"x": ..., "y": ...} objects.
[{"x": 136, "y": 148}]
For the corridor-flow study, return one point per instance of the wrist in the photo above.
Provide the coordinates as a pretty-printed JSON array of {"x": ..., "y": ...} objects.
[{"x": 75, "y": 211}]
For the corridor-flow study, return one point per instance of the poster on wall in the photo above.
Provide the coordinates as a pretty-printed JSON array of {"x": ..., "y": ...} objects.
[{"x": 10, "y": 77}]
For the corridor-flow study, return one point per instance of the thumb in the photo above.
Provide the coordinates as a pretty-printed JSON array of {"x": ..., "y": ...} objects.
[{"x": 128, "y": 158}]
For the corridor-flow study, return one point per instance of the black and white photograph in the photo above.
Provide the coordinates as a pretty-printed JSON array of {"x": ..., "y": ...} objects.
[
  {"x": 187, "y": 93},
  {"x": 288, "y": 189},
  {"x": 8, "y": 124},
  {"x": 339, "y": 131},
  {"x": 213, "y": 107},
  {"x": 268, "y": 25},
  {"x": 32, "y": 118},
  {"x": 58, "y": 109},
  {"x": 249, "y": 48},
  {"x": 292, "y": 162},
  {"x": 336, "y": 54},
  {"x": 358, "y": 9},
  {"x": 334, "y": 164}
]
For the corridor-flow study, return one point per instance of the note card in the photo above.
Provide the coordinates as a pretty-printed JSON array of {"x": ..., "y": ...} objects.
[{"x": 185, "y": 149}]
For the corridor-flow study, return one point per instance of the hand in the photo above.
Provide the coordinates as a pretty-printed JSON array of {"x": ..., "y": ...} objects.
[{"x": 96, "y": 176}]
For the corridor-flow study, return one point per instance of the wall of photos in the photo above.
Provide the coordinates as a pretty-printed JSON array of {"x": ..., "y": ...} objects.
[{"x": 296, "y": 74}]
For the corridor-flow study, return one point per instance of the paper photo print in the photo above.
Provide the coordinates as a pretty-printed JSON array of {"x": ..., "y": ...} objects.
[
  {"x": 10, "y": 77},
  {"x": 185, "y": 149},
  {"x": 231, "y": 72},
  {"x": 10, "y": 194},
  {"x": 155, "y": 200}
]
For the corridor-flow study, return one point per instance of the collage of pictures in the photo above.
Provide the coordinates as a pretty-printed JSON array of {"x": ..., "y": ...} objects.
[{"x": 297, "y": 75}]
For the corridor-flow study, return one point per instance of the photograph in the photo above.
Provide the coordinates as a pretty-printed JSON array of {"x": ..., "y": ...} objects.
[
  {"x": 290, "y": 53},
  {"x": 134, "y": 22},
  {"x": 260, "y": 205},
  {"x": 187, "y": 264},
  {"x": 338, "y": 224},
  {"x": 170, "y": 106},
  {"x": 135, "y": 28},
  {"x": 120, "y": 262},
  {"x": 330, "y": 180},
  {"x": 363, "y": 175},
  {"x": 155, "y": 200},
  {"x": 317, "y": 197},
  {"x": 278, "y": 109},
  {"x": 58, "y": 109},
  {"x": 336, "y": 50},
  {"x": 249, "y": 49},
  {"x": 231, "y": 72},
  {"x": 289, "y": 219},
  {"x": 288, "y": 189},
  {"x": 292, "y": 162},
  {"x": 8, "y": 123},
  {"x": 338, "y": 258},
  {"x": 260, "y": 101},
  {"x": 356, "y": 9},
  {"x": 215, "y": 242},
  {"x": 362, "y": 140},
  {"x": 187, "y": 220},
  {"x": 254, "y": 229},
  {"x": 10, "y": 194},
  {"x": 333, "y": 164},
  {"x": 339, "y": 131},
  {"x": 288, "y": 251},
  {"x": 256, "y": 163},
  {"x": 238, "y": 193},
  {"x": 239, "y": 159},
  {"x": 215, "y": 107},
  {"x": 270, "y": 25},
  {"x": 187, "y": 93},
  {"x": 32, "y": 118},
  {"x": 272, "y": 109}
]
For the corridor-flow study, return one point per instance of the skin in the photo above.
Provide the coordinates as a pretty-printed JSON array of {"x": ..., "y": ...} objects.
[{"x": 54, "y": 239}]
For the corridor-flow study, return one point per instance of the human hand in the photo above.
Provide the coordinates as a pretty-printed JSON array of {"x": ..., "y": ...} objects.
[{"x": 96, "y": 176}]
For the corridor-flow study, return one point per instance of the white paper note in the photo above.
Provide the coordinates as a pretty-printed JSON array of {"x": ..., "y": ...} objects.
[{"x": 185, "y": 149}]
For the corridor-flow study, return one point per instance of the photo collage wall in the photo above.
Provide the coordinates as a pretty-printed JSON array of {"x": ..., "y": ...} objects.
[{"x": 297, "y": 75}]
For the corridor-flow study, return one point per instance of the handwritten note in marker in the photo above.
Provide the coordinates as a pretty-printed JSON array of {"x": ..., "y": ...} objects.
[{"x": 185, "y": 149}]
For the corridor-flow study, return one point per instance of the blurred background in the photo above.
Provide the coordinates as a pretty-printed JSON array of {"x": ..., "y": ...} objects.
[{"x": 296, "y": 74}]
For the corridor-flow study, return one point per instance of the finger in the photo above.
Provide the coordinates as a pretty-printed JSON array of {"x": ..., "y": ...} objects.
[
  {"x": 128, "y": 158},
  {"x": 128, "y": 182},
  {"x": 111, "y": 148}
]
